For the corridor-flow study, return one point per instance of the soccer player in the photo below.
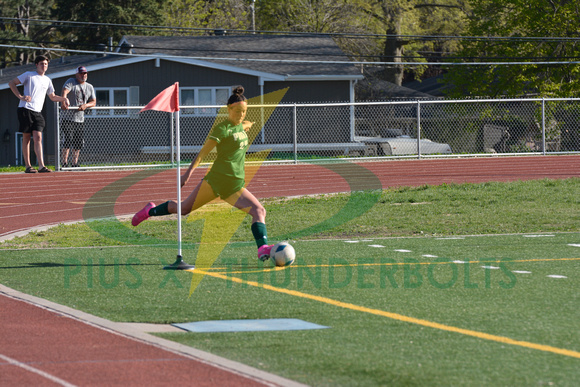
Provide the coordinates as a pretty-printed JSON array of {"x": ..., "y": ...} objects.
[{"x": 226, "y": 177}]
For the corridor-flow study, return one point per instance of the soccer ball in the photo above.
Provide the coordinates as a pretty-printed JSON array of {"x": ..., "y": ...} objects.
[{"x": 283, "y": 254}]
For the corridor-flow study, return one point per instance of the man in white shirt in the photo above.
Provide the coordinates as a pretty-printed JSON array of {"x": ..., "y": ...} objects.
[{"x": 31, "y": 121}]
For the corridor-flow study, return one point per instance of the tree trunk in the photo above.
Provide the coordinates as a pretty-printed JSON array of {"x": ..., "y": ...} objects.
[
  {"x": 393, "y": 52},
  {"x": 23, "y": 27}
]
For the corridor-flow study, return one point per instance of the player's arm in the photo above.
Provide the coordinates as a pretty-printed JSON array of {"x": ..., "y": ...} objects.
[
  {"x": 89, "y": 104},
  {"x": 13, "y": 86},
  {"x": 205, "y": 149},
  {"x": 92, "y": 100},
  {"x": 64, "y": 93},
  {"x": 57, "y": 98},
  {"x": 247, "y": 125}
]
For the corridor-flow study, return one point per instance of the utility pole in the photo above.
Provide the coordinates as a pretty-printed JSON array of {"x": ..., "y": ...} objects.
[{"x": 253, "y": 7}]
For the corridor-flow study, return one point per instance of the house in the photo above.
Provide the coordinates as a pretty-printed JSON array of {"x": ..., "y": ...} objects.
[{"x": 206, "y": 68}]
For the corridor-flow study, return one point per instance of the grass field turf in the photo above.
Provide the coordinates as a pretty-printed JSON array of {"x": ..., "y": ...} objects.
[
  {"x": 421, "y": 282},
  {"x": 382, "y": 297}
]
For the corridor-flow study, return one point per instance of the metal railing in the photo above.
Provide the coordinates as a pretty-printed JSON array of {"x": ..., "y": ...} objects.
[{"x": 120, "y": 136}]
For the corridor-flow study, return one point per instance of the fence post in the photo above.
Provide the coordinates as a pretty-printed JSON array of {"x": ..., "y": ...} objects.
[
  {"x": 295, "y": 137},
  {"x": 57, "y": 160},
  {"x": 352, "y": 122},
  {"x": 418, "y": 129},
  {"x": 543, "y": 126}
]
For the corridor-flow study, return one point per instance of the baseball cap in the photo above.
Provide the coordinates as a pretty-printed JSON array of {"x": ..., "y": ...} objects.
[{"x": 81, "y": 69}]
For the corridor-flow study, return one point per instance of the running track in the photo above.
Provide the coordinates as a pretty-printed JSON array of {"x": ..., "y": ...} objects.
[{"x": 70, "y": 351}]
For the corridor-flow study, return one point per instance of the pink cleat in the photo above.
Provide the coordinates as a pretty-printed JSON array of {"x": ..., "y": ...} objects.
[
  {"x": 142, "y": 215},
  {"x": 264, "y": 252}
]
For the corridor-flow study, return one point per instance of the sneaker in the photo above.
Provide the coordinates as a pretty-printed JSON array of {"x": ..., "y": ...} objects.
[
  {"x": 264, "y": 252},
  {"x": 142, "y": 215}
]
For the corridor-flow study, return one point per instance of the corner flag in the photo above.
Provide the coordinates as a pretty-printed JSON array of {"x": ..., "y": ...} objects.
[{"x": 166, "y": 101}]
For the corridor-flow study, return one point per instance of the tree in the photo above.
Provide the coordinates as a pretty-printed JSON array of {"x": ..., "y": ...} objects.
[
  {"x": 399, "y": 19},
  {"x": 128, "y": 13},
  {"x": 340, "y": 17},
  {"x": 318, "y": 16},
  {"x": 388, "y": 20},
  {"x": 211, "y": 14},
  {"x": 21, "y": 31},
  {"x": 518, "y": 26}
]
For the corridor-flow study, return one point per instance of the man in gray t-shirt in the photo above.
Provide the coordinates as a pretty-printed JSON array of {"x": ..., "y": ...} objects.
[{"x": 82, "y": 96}]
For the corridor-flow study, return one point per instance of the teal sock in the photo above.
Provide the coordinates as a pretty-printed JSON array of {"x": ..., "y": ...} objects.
[
  {"x": 160, "y": 210},
  {"x": 260, "y": 234}
]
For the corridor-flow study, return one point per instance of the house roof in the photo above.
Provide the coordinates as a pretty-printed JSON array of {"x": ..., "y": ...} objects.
[
  {"x": 229, "y": 53},
  {"x": 269, "y": 54},
  {"x": 431, "y": 86},
  {"x": 65, "y": 66},
  {"x": 379, "y": 90},
  {"x": 374, "y": 88}
]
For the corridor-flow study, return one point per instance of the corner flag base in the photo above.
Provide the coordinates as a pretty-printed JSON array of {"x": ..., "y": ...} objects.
[{"x": 179, "y": 264}]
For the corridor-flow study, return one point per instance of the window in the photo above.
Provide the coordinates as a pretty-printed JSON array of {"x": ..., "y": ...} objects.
[
  {"x": 110, "y": 96},
  {"x": 196, "y": 96}
]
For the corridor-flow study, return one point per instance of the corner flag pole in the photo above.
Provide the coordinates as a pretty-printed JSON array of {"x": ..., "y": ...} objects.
[
  {"x": 179, "y": 263},
  {"x": 178, "y": 149},
  {"x": 168, "y": 101}
]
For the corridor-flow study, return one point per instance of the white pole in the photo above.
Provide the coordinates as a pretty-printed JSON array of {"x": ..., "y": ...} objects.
[{"x": 178, "y": 151}]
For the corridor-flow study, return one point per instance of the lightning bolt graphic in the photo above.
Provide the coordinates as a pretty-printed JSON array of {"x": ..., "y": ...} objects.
[{"x": 220, "y": 225}]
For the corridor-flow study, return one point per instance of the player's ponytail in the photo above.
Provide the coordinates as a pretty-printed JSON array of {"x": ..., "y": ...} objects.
[{"x": 237, "y": 96}]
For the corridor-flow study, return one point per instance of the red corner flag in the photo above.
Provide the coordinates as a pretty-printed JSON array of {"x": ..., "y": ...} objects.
[{"x": 166, "y": 101}]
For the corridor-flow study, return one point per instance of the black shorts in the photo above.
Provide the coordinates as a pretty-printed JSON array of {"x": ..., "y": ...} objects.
[
  {"x": 30, "y": 120},
  {"x": 72, "y": 135}
]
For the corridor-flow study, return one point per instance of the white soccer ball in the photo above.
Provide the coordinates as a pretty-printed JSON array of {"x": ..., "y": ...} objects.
[{"x": 283, "y": 254}]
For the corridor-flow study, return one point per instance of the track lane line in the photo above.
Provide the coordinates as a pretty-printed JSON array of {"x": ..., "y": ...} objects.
[{"x": 46, "y": 375}]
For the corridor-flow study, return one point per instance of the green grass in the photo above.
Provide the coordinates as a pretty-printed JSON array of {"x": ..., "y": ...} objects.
[
  {"x": 400, "y": 261},
  {"x": 450, "y": 209}
]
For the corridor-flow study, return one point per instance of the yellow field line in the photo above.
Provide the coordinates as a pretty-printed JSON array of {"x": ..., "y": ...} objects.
[{"x": 400, "y": 317}]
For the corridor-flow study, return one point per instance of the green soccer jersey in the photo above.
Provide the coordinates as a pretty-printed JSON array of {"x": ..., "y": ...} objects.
[{"x": 227, "y": 173}]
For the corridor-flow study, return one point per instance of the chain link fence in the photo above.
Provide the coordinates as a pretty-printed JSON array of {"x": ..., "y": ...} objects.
[{"x": 121, "y": 136}]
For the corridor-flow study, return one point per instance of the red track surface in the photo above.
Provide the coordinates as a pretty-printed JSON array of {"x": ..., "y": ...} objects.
[
  {"x": 85, "y": 355},
  {"x": 80, "y": 354},
  {"x": 31, "y": 200}
]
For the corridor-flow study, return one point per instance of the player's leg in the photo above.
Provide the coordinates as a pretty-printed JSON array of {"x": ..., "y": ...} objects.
[
  {"x": 78, "y": 142},
  {"x": 37, "y": 137},
  {"x": 64, "y": 157},
  {"x": 76, "y": 154},
  {"x": 247, "y": 202},
  {"x": 25, "y": 126},
  {"x": 38, "y": 126},
  {"x": 26, "y": 151},
  {"x": 201, "y": 194},
  {"x": 65, "y": 143}
]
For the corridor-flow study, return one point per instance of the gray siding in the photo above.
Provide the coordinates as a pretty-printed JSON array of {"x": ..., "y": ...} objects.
[{"x": 330, "y": 125}]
